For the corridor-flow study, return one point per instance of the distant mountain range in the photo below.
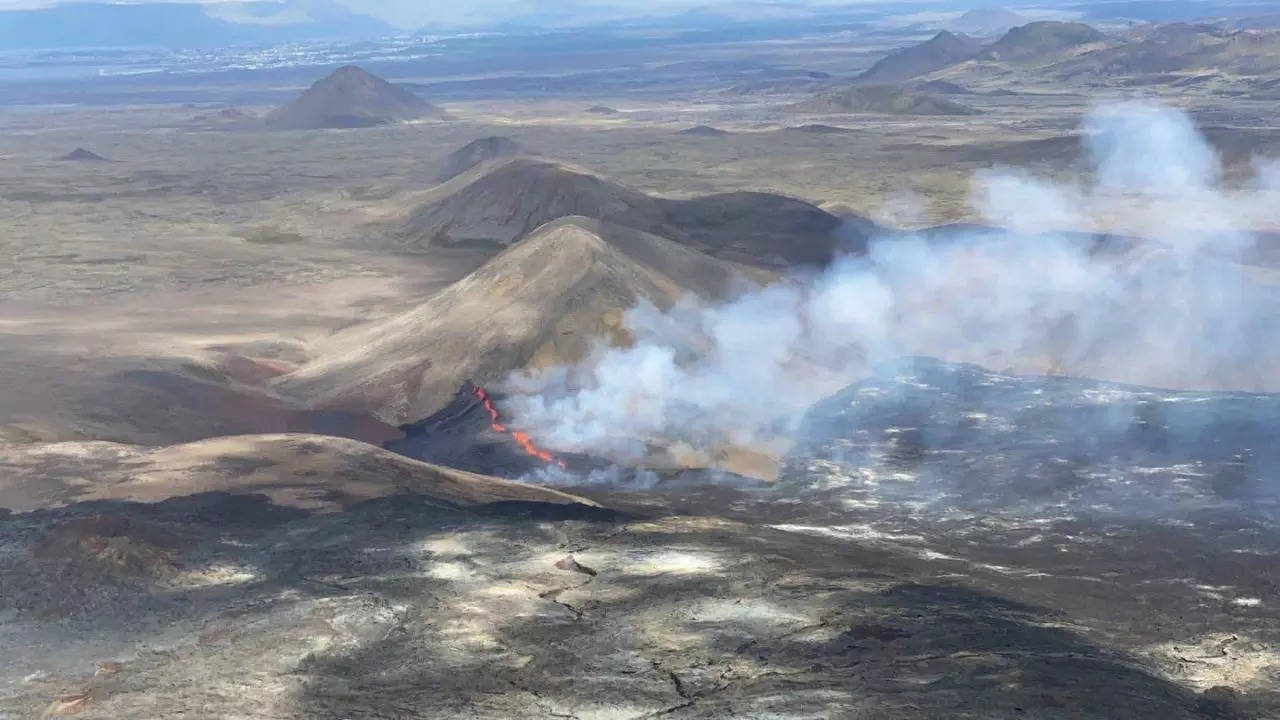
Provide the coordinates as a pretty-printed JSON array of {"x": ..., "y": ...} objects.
[
  {"x": 1169, "y": 53},
  {"x": 168, "y": 24}
]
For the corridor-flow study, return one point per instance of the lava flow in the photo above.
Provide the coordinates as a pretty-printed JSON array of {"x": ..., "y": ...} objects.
[{"x": 521, "y": 439}]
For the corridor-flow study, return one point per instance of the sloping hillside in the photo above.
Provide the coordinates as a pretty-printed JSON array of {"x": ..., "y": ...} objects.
[
  {"x": 543, "y": 301},
  {"x": 310, "y": 472},
  {"x": 478, "y": 152},
  {"x": 942, "y": 50},
  {"x": 1039, "y": 41}
]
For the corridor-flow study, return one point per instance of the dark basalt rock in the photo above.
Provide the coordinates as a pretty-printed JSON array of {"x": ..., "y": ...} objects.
[{"x": 959, "y": 435}]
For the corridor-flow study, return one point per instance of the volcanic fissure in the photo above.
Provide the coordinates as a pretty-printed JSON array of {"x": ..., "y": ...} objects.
[{"x": 522, "y": 439}]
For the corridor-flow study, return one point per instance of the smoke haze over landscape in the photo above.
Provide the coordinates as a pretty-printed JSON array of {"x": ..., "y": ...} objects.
[{"x": 1173, "y": 307}]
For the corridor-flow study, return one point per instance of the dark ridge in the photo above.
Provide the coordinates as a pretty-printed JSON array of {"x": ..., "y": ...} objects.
[
  {"x": 511, "y": 200},
  {"x": 704, "y": 131},
  {"x": 82, "y": 155},
  {"x": 819, "y": 129}
]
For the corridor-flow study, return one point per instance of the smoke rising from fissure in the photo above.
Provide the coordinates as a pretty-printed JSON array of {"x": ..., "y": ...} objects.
[{"x": 1169, "y": 303}]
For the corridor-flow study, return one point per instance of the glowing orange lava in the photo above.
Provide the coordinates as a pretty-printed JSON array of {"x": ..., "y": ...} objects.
[{"x": 521, "y": 439}]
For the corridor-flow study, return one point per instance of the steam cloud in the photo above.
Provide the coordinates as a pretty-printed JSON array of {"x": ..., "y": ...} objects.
[
  {"x": 1172, "y": 303},
  {"x": 1268, "y": 173}
]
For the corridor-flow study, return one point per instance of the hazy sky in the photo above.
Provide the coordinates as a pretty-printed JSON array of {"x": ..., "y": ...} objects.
[{"x": 419, "y": 13}]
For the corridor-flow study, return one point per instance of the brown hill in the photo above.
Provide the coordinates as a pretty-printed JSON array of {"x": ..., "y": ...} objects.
[
  {"x": 542, "y": 301},
  {"x": 312, "y": 472},
  {"x": 352, "y": 98},
  {"x": 881, "y": 99},
  {"x": 500, "y": 202},
  {"x": 478, "y": 152},
  {"x": 1039, "y": 41},
  {"x": 942, "y": 50}
]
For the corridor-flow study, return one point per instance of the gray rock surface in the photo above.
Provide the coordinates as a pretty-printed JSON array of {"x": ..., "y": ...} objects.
[
  {"x": 410, "y": 608},
  {"x": 913, "y": 562}
]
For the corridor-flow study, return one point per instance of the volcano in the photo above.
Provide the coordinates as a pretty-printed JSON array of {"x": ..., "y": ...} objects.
[
  {"x": 352, "y": 98},
  {"x": 543, "y": 301},
  {"x": 471, "y": 433}
]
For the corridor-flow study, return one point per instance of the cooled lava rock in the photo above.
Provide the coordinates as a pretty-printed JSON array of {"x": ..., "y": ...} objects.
[{"x": 944, "y": 435}]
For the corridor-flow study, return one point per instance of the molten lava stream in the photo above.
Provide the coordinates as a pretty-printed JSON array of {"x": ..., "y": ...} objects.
[{"x": 521, "y": 439}]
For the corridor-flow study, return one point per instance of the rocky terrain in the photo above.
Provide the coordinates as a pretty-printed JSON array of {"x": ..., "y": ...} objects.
[
  {"x": 285, "y": 390},
  {"x": 488, "y": 600}
]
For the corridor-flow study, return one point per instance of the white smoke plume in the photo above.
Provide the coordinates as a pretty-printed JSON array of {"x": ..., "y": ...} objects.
[
  {"x": 1267, "y": 173},
  {"x": 1170, "y": 304}
]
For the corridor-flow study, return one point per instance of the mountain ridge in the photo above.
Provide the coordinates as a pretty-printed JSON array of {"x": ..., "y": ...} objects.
[{"x": 545, "y": 300}]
